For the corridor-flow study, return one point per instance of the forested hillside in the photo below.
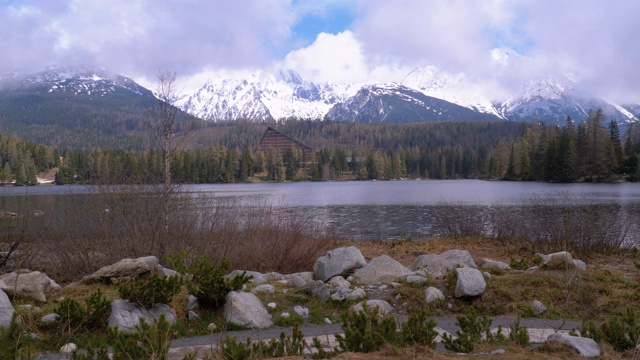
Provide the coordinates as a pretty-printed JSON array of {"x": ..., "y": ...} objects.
[
  {"x": 592, "y": 151},
  {"x": 22, "y": 160}
]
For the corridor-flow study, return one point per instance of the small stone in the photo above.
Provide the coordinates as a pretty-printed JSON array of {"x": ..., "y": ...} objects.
[
  {"x": 271, "y": 305},
  {"x": 538, "y": 307},
  {"x": 432, "y": 294},
  {"x": 383, "y": 287},
  {"x": 398, "y": 297},
  {"x": 356, "y": 294},
  {"x": 49, "y": 318},
  {"x": 68, "y": 348},
  {"x": 449, "y": 306},
  {"x": 193, "y": 316},
  {"x": 395, "y": 285},
  {"x": 212, "y": 327},
  {"x": 498, "y": 351},
  {"x": 415, "y": 279},
  {"x": 327, "y": 321},
  {"x": 191, "y": 303},
  {"x": 264, "y": 288},
  {"x": 302, "y": 311},
  {"x": 285, "y": 315},
  {"x": 486, "y": 275}
]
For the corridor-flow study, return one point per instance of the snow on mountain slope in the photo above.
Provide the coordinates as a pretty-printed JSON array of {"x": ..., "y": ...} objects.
[
  {"x": 76, "y": 80},
  {"x": 457, "y": 89},
  {"x": 262, "y": 95}
]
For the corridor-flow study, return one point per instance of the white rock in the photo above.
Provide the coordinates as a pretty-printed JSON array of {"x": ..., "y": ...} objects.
[
  {"x": 538, "y": 307},
  {"x": 245, "y": 309},
  {"x": 340, "y": 261},
  {"x": 191, "y": 303},
  {"x": 192, "y": 315},
  {"x": 318, "y": 289},
  {"x": 585, "y": 346},
  {"x": 488, "y": 264},
  {"x": 166, "y": 273},
  {"x": 382, "y": 269},
  {"x": 302, "y": 311},
  {"x": 264, "y": 288},
  {"x": 305, "y": 275},
  {"x": 327, "y": 321},
  {"x": 415, "y": 279},
  {"x": 49, "y": 318},
  {"x": 6, "y": 310},
  {"x": 338, "y": 282},
  {"x": 34, "y": 285},
  {"x": 432, "y": 294},
  {"x": 285, "y": 315},
  {"x": 486, "y": 275},
  {"x": 437, "y": 265},
  {"x": 560, "y": 261},
  {"x": 384, "y": 308},
  {"x": 271, "y": 305},
  {"x": 357, "y": 294},
  {"x": 212, "y": 327},
  {"x": 123, "y": 271},
  {"x": 470, "y": 282},
  {"x": 298, "y": 282},
  {"x": 274, "y": 276},
  {"x": 125, "y": 316},
  {"x": 68, "y": 348}
]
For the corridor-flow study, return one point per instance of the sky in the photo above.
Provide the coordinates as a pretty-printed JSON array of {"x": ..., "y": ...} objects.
[{"x": 595, "y": 42}]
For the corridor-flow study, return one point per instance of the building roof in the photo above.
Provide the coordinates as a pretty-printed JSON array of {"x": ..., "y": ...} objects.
[{"x": 273, "y": 139}]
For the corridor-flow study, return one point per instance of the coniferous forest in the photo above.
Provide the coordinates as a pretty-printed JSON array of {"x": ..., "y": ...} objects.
[{"x": 595, "y": 150}]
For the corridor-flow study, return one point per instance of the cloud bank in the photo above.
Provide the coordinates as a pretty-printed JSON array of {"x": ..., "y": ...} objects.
[{"x": 594, "y": 41}]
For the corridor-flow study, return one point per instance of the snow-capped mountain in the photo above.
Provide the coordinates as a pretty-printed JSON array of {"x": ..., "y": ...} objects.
[
  {"x": 553, "y": 99},
  {"x": 457, "y": 89},
  {"x": 77, "y": 80},
  {"x": 263, "y": 96},
  {"x": 395, "y": 103}
]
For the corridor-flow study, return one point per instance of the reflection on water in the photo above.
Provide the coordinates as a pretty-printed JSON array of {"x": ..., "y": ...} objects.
[{"x": 403, "y": 209}]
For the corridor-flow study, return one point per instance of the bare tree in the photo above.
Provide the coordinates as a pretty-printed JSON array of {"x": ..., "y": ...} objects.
[{"x": 167, "y": 115}]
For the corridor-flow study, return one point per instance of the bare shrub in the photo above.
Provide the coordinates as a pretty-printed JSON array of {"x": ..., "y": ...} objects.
[
  {"x": 459, "y": 220},
  {"x": 116, "y": 222}
]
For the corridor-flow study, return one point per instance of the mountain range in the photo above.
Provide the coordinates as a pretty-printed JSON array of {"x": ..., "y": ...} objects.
[
  {"x": 425, "y": 94},
  {"x": 53, "y": 105}
]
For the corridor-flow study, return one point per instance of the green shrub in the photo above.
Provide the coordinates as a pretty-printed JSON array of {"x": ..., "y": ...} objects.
[
  {"x": 419, "y": 331},
  {"x": 232, "y": 349},
  {"x": 208, "y": 283},
  {"x": 321, "y": 353},
  {"x": 151, "y": 290},
  {"x": 92, "y": 354},
  {"x": 72, "y": 315},
  {"x": 472, "y": 329},
  {"x": 146, "y": 342},
  {"x": 98, "y": 310},
  {"x": 13, "y": 343},
  {"x": 291, "y": 320},
  {"x": 519, "y": 334},
  {"x": 621, "y": 332},
  {"x": 364, "y": 331}
]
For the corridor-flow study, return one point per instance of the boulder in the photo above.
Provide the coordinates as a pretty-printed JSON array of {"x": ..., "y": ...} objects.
[
  {"x": 382, "y": 269},
  {"x": 125, "y": 316},
  {"x": 191, "y": 303},
  {"x": 470, "y": 282},
  {"x": 318, "y": 289},
  {"x": 6, "y": 310},
  {"x": 306, "y": 276},
  {"x": 264, "y": 288},
  {"x": 123, "y": 271},
  {"x": 245, "y": 309},
  {"x": 538, "y": 307},
  {"x": 384, "y": 308},
  {"x": 34, "y": 285},
  {"x": 274, "y": 276},
  {"x": 357, "y": 294},
  {"x": 68, "y": 348},
  {"x": 488, "y": 264},
  {"x": 437, "y": 265},
  {"x": 416, "y": 279},
  {"x": 298, "y": 282},
  {"x": 337, "y": 282},
  {"x": 256, "y": 277},
  {"x": 585, "y": 346},
  {"x": 165, "y": 273},
  {"x": 560, "y": 261},
  {"x": 432, "y": 294},
  {"x": 340, "y": 261}
]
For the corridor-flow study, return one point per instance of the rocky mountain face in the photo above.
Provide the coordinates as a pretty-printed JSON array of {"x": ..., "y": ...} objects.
[
  {"x": 393, "y": 103},
  {"x": 425, "y": 94}
]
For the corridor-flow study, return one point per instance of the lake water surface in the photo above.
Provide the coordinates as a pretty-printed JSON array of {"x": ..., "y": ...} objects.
[{"x": 391, "y": 209}]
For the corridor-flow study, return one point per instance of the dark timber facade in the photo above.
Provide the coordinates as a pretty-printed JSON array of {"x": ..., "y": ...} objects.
[{"x": 280, "y": 143}]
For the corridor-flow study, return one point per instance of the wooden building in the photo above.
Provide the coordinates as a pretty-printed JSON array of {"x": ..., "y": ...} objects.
[{"x": 280, "y": 143}]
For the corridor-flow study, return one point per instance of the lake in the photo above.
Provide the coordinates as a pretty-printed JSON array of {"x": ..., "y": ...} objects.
[{"x": 364, "y": 210}]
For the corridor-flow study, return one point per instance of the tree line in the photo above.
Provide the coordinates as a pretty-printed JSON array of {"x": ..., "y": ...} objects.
[{"x": 594, "y": 150}]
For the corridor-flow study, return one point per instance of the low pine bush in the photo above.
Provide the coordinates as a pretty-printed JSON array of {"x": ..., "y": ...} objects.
[
  {"x": 207, "y": 279},
  {"x": 472, "y": 330},
  {"x": 622, "y": 332},
  {"x": 419, "y": 330},
  {"x": 232, "y": 349},
  {"x": 364, "y": 331},
  {"x": 151, "y": 290}
]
